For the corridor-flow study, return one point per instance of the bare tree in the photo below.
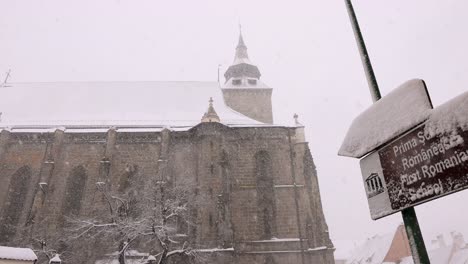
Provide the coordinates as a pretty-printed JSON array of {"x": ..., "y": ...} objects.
[{"x": 147, "y": 214}]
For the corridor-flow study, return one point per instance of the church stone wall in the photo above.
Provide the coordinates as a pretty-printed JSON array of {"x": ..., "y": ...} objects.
[{"x": 231, "y": 166}]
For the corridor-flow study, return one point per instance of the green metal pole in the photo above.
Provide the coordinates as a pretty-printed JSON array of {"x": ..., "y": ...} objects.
[
  {"x": 416, "y": 241},
  {"x": 371, "y": 80}
]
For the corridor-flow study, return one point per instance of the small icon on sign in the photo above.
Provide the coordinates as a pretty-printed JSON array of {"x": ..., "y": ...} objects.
[{"x": 374, "y": 185}]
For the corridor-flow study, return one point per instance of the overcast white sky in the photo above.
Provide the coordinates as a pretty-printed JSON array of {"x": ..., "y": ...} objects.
[{"x": 305, "y": 50}]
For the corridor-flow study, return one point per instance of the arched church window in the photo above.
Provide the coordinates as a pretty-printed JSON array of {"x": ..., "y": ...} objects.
[
  {"x": 128, "y": 177},
  {"x": 128, "y": 188},
  {"x": 15, "y": 202},
  {"x": 74, "y": 192},
  {"x": 265, "y": 195}
]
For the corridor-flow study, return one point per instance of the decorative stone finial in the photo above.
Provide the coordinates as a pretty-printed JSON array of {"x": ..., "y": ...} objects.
[
  {"x": 296, "y": 120},
  {"x": 210, "y": 115},
  {"x": 300, "y": 133}
]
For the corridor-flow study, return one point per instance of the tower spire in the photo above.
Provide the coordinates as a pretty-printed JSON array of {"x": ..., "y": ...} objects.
[
  {"x": 243, "y": 91},
  {"x": 241, "y": 49},
  {"x": 242, "y": 67}
]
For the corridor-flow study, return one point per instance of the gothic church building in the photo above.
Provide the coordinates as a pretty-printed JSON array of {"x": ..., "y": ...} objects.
[{"x": 264, "y": 204}]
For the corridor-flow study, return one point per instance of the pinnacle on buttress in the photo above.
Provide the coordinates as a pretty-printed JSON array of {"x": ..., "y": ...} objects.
[
  {"x": 210, "y": 115},
  {"x": 296, "y": 121}
]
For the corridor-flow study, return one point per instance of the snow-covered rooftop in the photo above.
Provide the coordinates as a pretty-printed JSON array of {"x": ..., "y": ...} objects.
[
  {"x": 373, "y": 251},
  {"x": 400, "y": 110},
  {"x": 12, "y": 253},
  {"x": 450, "y": 116},
  {"x": 178, "y": 105},
  {"x": 344, "y": 248}
]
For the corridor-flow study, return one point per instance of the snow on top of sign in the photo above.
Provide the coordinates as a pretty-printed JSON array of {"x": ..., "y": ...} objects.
[
  {"x": 403, "y": 108},
  {"x": 449, "y": 117},
  {"x": 12, "y": 253}
]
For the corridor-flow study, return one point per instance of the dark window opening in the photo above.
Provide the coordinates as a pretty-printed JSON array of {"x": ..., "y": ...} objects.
[
  {"x": 237, "y": 82},
  {"x": 210, "y": 220},
  {"x": 252, "y": 81},
  {"x": 15, "y": 203},
  {"x": 74, "y": 192},
  {"x": 265, "y": 195}
]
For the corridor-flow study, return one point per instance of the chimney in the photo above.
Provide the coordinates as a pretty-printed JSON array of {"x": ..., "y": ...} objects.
[{"x": 441, "y": 241}]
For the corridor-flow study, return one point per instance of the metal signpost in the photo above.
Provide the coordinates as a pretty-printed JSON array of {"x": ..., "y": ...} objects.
[{"x": 413, "y": 231}]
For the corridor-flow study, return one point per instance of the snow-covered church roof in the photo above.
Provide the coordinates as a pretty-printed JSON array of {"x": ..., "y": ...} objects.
[{"x": 176, "y": 105}]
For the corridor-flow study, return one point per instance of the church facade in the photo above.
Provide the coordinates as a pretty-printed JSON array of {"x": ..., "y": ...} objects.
[{"x": 264, "y": 201}]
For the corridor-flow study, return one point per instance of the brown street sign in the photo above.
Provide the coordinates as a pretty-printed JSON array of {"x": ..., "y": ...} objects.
[{"x": 413, "y": 169}]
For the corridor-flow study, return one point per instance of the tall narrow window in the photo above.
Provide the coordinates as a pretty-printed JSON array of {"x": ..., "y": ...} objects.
[
  {"x": 265, "y": 195},
  {"x": 74, "y": 192},
  {"x": 15, "y": 202},
  {"x": 129, "y": 189}
]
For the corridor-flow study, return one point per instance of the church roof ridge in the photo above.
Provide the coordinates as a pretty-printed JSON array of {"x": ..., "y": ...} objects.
[
  {"x": 106, "y": 82},
  {"x": 89, "y": 128},
  {"x": 129, "y": 104}
]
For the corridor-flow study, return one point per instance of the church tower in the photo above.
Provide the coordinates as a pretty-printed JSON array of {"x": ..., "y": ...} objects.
[{"x": 243, "y": 91}]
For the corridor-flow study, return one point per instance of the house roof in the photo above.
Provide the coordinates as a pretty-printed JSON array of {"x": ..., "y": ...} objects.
[
  {"x": 442, "y": 256},
  {"x": 12, "y": 253},
  {"x": 460, "y": 257},
  {"x": 373, "y": 251},
  {"x": 344, "y": 248},
  {"x": 177, "y": 105}
]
